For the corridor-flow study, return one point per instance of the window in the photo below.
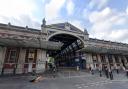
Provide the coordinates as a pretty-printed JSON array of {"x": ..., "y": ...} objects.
[
  {"x": 74, "y": 45},
  {"x": 31, "y": 55},
  {"x": 103, "y": 59},
  {"x": 79, "y": 42},
  {"x": 11, "y": 55},
  {"x": 94, "y": 58},
  {"x": 117, "y": 59},
  {"x": 110, "y": 59},
  {"x": 70, "y": 47}
]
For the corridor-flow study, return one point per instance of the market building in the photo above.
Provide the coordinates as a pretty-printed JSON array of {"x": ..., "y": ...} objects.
[{"x": 24, "y": 49}]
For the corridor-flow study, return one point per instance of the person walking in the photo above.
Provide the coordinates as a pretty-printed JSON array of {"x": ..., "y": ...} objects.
[
  {"x": 54, "y": 71},
  {"x": 100, "y": 70},
  {"x": 117, "y": 69},
  {"x": 127, "y": 73},
  {"x": 91, "y": 70},
  {"x": 110, "y": 73},
  {"x": 126, "y": 70},
  {"x": 106, "y": 71}
]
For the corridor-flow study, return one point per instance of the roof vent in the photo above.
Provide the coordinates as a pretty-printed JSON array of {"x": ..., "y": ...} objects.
[
  {"x": 9, "y": 24},
  {"x": 26, "y": 27},
  {"x": 85, "y": 31},
  {"x": 67, "y": 26}
]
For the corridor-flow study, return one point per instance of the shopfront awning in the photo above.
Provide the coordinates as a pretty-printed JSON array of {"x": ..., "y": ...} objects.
[
  {"x": 95, "y": 49},
  {"x": 33, "y": 43}
]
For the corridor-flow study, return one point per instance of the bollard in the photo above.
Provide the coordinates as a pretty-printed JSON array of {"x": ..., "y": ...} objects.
[{"x": 77, "y": 68}]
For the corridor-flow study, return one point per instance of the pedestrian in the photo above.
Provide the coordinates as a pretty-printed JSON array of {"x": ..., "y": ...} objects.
[
  {"x": 106, "y": 71},
  {"x": 110, "y": 73},
  {"x": 77, "y": 68},
  {"x": 100, "y": 71},
  {"x": 126, "y": 70},
  {"x": 127, "y": 73},
  {"x": 91, "y": 70},
  {"x": 54, "y": 68},
  {"x": 117, "y": 69},
  {"x": 50, "y": 66}
]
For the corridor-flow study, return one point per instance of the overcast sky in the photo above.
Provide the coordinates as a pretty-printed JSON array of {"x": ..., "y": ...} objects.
[{"x": 104, "y": 19}]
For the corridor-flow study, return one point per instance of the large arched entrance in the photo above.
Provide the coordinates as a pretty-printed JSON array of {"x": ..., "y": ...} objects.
[{"x": 68, "y": 55}]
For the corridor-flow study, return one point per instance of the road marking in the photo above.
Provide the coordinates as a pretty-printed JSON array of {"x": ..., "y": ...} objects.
[
  {"x": 82, "y": 84},
  {"x": 124, "y": 80},
  {"x": 79, "y": 87},
  {"x": 85, "y": 86},
  {"x": 93, "y": 84}
]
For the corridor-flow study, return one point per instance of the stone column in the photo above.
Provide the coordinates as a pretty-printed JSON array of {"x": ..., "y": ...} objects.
[
  {"x": 121, "y": 65},
  {"x": 99, "y": 60},
  {"x": 94, "y": 60},
  {"x": 114, "y": 62},
  {"x": 41, "y": 60},
  {"x": 2, "y": 57},
  {"x": 107, "y": 61},
  {"x": 89, "y": 61},
  {"x": 125, "y": 60},
  {"x": 84, "y": 57},
  {"x": 21, "y": 61}
]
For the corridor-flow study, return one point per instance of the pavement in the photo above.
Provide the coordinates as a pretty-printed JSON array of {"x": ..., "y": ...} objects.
[{"x": 66, "y": 80}]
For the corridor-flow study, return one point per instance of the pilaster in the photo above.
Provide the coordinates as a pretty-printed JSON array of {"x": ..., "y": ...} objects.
[
  {"x": 99, "y": 60},
  {"x": 114, "y": 62},
  {"x": 21, "y": 61},
  {"x": 41, "y": 60},
  {"x": 2, "y": 57}
]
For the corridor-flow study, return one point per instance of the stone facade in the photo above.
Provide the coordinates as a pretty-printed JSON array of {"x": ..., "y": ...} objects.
[{"x": 24, "y": 49}]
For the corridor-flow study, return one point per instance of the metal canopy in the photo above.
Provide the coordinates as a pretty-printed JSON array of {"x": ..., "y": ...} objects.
[
  {"x": 103, "y": 50},
  {"x": 64, "y": 38},
  {"x": 33, "y": 43}
]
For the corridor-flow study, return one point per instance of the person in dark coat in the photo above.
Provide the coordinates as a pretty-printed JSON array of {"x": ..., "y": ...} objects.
[
  {"x": 100, "y": 70},
  {"x": 126, "y": 70},
  {"x": 110, "y": 73},
  {"x": 91, "y": 70},
  {"x": 106, "y": 71}
]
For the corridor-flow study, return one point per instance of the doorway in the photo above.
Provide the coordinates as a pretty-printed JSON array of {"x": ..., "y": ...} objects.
[
  {"x": 65, "y": 57},
  {"x": 30, "y": 60}
]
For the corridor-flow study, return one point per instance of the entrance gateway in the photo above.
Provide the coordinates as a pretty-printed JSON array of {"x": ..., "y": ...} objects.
[
  {"x": 67, "y": 56},
  {"x": 24, "y": 49},
  {"x": 80, "y": 50},
  {"x": 72, "y": 40}
]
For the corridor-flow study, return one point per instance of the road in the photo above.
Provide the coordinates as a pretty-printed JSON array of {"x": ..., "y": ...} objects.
[{"x": 86, "y": 81}]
